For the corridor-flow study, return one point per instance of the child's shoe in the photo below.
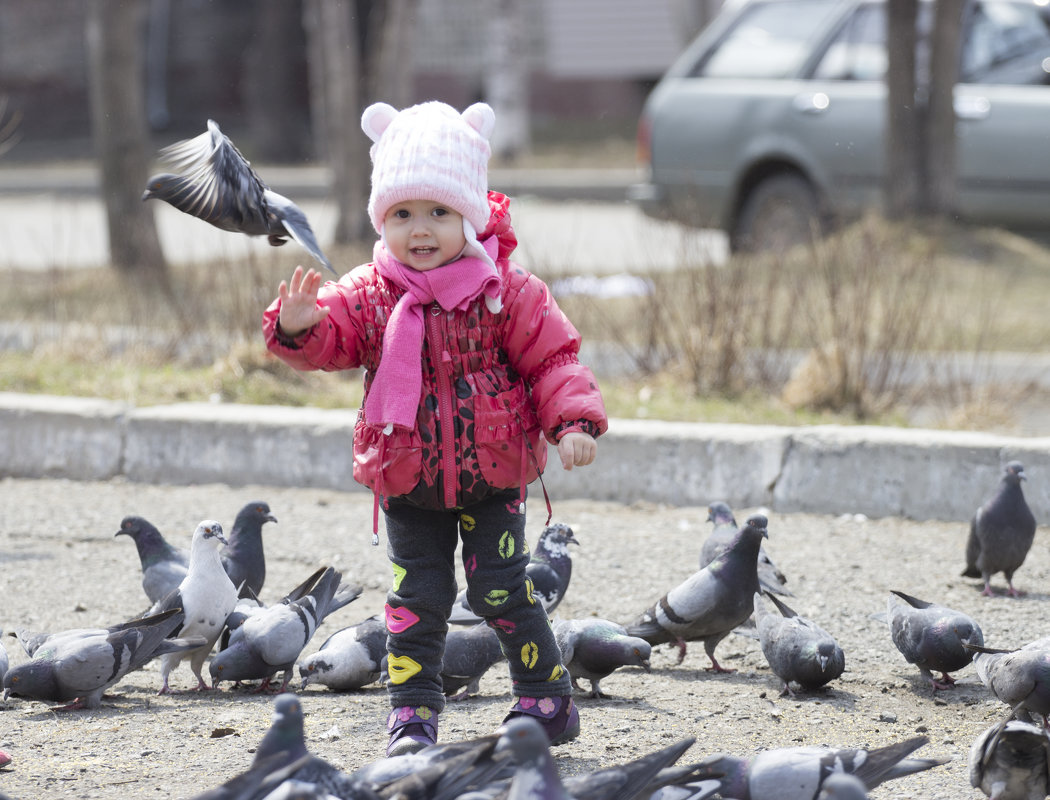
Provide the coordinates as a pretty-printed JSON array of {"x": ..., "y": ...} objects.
[
  {"x": 411, "y": 729},
  {"x": 557, "y": 715}
]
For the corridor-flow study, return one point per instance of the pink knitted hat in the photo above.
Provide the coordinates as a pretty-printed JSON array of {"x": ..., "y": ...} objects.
[{"x": 430, "y": 152}]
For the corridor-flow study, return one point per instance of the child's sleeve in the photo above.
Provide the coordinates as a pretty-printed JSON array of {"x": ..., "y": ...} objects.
[{"x": 332, "y": 344}]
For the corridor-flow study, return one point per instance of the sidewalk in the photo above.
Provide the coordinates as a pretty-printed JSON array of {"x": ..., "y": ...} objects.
[{"x": 875, "y": 471}]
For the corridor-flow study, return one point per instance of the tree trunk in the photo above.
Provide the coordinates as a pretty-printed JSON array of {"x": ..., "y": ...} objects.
[
  {"x": 389, "y": 66},
  {"x": 903, "y": 165},
  {"x": 114, "y": 35},
  {"x": 507, "y": 79},
  {"x": 939, "y": 144}
]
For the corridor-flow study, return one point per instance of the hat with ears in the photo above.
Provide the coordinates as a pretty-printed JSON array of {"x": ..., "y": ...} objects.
[{"x": 430, "y": 152}]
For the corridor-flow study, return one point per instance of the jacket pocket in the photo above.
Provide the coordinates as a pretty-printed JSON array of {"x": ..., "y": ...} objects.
[
  {"x": 500, "y": 423},
  {"x": 402, "y": 459}
]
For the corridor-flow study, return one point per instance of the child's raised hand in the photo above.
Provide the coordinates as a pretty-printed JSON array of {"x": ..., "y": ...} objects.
[
  {"x": 577, "y": 449},
  {"x": 299, "y": 309}
]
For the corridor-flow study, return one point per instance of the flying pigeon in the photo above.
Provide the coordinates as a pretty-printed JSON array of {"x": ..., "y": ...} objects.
[
  {"x": 271, "y": 640},
  {"x": 722, "y": 534},
  {"x": 796, "y": 648},
  {"x": 78, "y": 665},
  {"x": 1011, "y": 761},
  {"x": 217, "y": 184},
  {"x": 469, "y": 653},
  {"x": 243, "y": 557},
  {"x": 1019, "y": 678},
  {"x": 932, "y": 637},
  {"x": 163, "y": 564},
  {"x": 799, "y": 773},
  {"x": 710, "y": 603},
  {"x": 594, "y": 648},
  {"x": 1001, "y": 533},
  {"x": 350, "y": 658},
  {"x": 207, "y": 595},
  {"x": 549, "y": 569}
]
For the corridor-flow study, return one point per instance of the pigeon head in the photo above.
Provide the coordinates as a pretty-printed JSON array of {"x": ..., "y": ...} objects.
[
  {"x": 311, "y": 667},
  {"x": 1014, "y": 473},
  {"x": 757, "y": 523},
  {"x": 174, "y": 189},
  {"x": 235, "y": 663},
  {"x": 720, "y": 514},
  {"x": 526, "y": 739},
  {"x": 256, "y": 511},
  {"x": 32, "y": 679},
  {"x": 286, "y": 729},
  {"x": 136, "y": 528},
  {"x": 210, "y": 531}
]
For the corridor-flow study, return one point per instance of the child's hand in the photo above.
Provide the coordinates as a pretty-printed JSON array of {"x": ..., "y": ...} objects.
[
  {"x": 577, "y": 449},
  {"x": 299, "y": 309}
]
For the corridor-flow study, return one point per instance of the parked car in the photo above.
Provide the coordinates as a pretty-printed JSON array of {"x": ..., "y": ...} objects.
[{"x": 772, "y": 121}]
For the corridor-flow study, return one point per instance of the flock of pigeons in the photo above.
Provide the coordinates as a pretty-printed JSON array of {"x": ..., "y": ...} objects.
[{"x": 204, "y": 605}]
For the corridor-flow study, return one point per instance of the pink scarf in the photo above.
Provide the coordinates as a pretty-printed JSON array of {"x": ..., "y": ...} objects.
[{"x": 393, "y": 398}]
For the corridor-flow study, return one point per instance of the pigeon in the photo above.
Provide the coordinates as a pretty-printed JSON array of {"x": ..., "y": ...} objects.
[
  {"x": 207, "y": 595},
  {"x": 594, "y": 648},
  {"x": 217, "y": 184},
  {"x": 710, "y": 603},
  {"x": 932, "y": 637},
  {"x": 469, "y": 653},
  {"x": 350, "y": 658},
  {"x": 1011, "y": 761},
  {"x": 243, "y": 557},
  {"x": 79, "y": 665},
  {"x": 536, "y": 777},
  {"x": 636, "y": 778},
  {"x": 722, "y": 535},
  {"x": 549, "y": 569},
  {"x": 798, "y": 773},
  {"x": 1001, "y": 533},
  {"x": 1019, "y": 678},
  {"x": 163, "y": 564},
  {"x": 271, "y": 640},
  {"x": 796, "y": 648}
]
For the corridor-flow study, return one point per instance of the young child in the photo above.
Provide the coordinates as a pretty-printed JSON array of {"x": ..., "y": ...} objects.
[{"x": 471, "y": 368}]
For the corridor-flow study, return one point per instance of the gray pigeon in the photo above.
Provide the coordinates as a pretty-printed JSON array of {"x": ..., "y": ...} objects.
[
  {"x": 207, "y": 595},
  {"x": 350, "y": 658},
  {"x": 217, "y": 184},
  {"x": 243, "y": 557},
  {"x": 594, "y": 648},
  {"x": 549, "y": 569},
  {"x": 269, "y": 641},
  {"x": 469, "y": 653},
  {"x": 710, "y": 603},
  {"x": 798, "y": 773},
  {"x": 78, "y": 665},
  {"x": 796, "y": 648},
  {"x": 722, "y": 535},
  {"x": 536, "y": 777},
  {"x": 163, "y": 565},
  {"x": 932, "y": 637},
  {"x": 1019, "y": 678},
  {"x": 1011, "y": 761},
  {"x": 1001, "y": 533}
]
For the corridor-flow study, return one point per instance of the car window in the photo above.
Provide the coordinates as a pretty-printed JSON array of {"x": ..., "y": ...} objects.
[
  {"x": 1007, "y": 42},
  {"x": 769, "y": 40},
  {"x": 858, "y": 51}
]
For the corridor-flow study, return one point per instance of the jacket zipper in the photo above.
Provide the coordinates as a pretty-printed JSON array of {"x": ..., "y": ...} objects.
[{"x": 443, "y": 368}]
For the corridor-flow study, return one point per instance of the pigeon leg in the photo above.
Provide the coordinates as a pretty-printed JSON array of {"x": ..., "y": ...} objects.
[
  {"x": 988, "y": 589},
  {"x": 946, "y": 682},
  {"x": 596, "y": 691},
  {"x": 680, "y": 643},
  {"x": 787, "y": 690},
  {"x": 76, "y": 705},
  {"x": 1011, "y": 591},
  {"x": 461, "y": 695}
]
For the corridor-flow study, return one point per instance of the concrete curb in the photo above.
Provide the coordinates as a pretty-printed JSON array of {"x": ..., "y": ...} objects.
[{"x": 919, "y": 474}]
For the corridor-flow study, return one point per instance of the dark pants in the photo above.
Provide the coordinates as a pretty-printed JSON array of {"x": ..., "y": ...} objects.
[{"x": 421, "y": 544}]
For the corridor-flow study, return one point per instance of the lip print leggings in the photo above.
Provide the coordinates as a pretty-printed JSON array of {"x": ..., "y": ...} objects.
[{"x": 421, "y": 545}]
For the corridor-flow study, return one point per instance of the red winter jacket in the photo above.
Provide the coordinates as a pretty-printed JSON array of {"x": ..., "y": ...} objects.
[{"x": 494, "y": 385}]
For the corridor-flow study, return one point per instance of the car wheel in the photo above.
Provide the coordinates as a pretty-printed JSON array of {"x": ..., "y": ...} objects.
[{"x": 779, "y": 212}]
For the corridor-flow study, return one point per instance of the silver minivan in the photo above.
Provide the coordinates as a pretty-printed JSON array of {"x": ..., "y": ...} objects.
[{"x": 771, "y": 122}]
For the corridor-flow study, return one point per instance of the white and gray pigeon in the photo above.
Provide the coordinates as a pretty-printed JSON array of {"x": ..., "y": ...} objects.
[
  {"x": 77, "y": 666},
  {"x": 722, "y": 535},
  {"x": 1001, "y": 532},
  {"x": 351, "y": 658},
  {"x": 799, "y": 773},
  {"x": 271, "y": 639},
  {"x": 1010, "y": 760},
  {"x": 217, "y": 184},
  {"x": 549, "y": 570},
  {"x": 710, "y": 603},
  {"x": 469, "y": 654},
  {"x": 163, "y": 565},
  {"x": 243, "y": 557},
  {"x": 932, "y": 637},
  {"x": 593, "y": 648},
  {"x": 207, "y": 595},
  {"x": 796, "y": 648},
  {"x": 1020, "y": 678}
]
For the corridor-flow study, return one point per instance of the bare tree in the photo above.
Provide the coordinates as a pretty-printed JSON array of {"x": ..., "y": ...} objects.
[
  {"x": 903, "y": 163},
  {"x": 507, "y": 78},
  {"x": 114, "y": 35}
]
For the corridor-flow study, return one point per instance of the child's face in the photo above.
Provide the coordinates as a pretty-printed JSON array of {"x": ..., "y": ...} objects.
[{"x": 423, "y": 234}]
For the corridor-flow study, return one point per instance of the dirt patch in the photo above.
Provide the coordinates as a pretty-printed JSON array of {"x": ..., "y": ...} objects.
[{"x": 63, "y": 568}]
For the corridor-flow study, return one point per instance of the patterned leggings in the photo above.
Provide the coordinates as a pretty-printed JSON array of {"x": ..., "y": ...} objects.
[{"x": 421, "y": 545}]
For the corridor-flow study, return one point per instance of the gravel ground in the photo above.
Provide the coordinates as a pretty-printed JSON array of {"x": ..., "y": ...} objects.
[{"x": 63, "y": 568}]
